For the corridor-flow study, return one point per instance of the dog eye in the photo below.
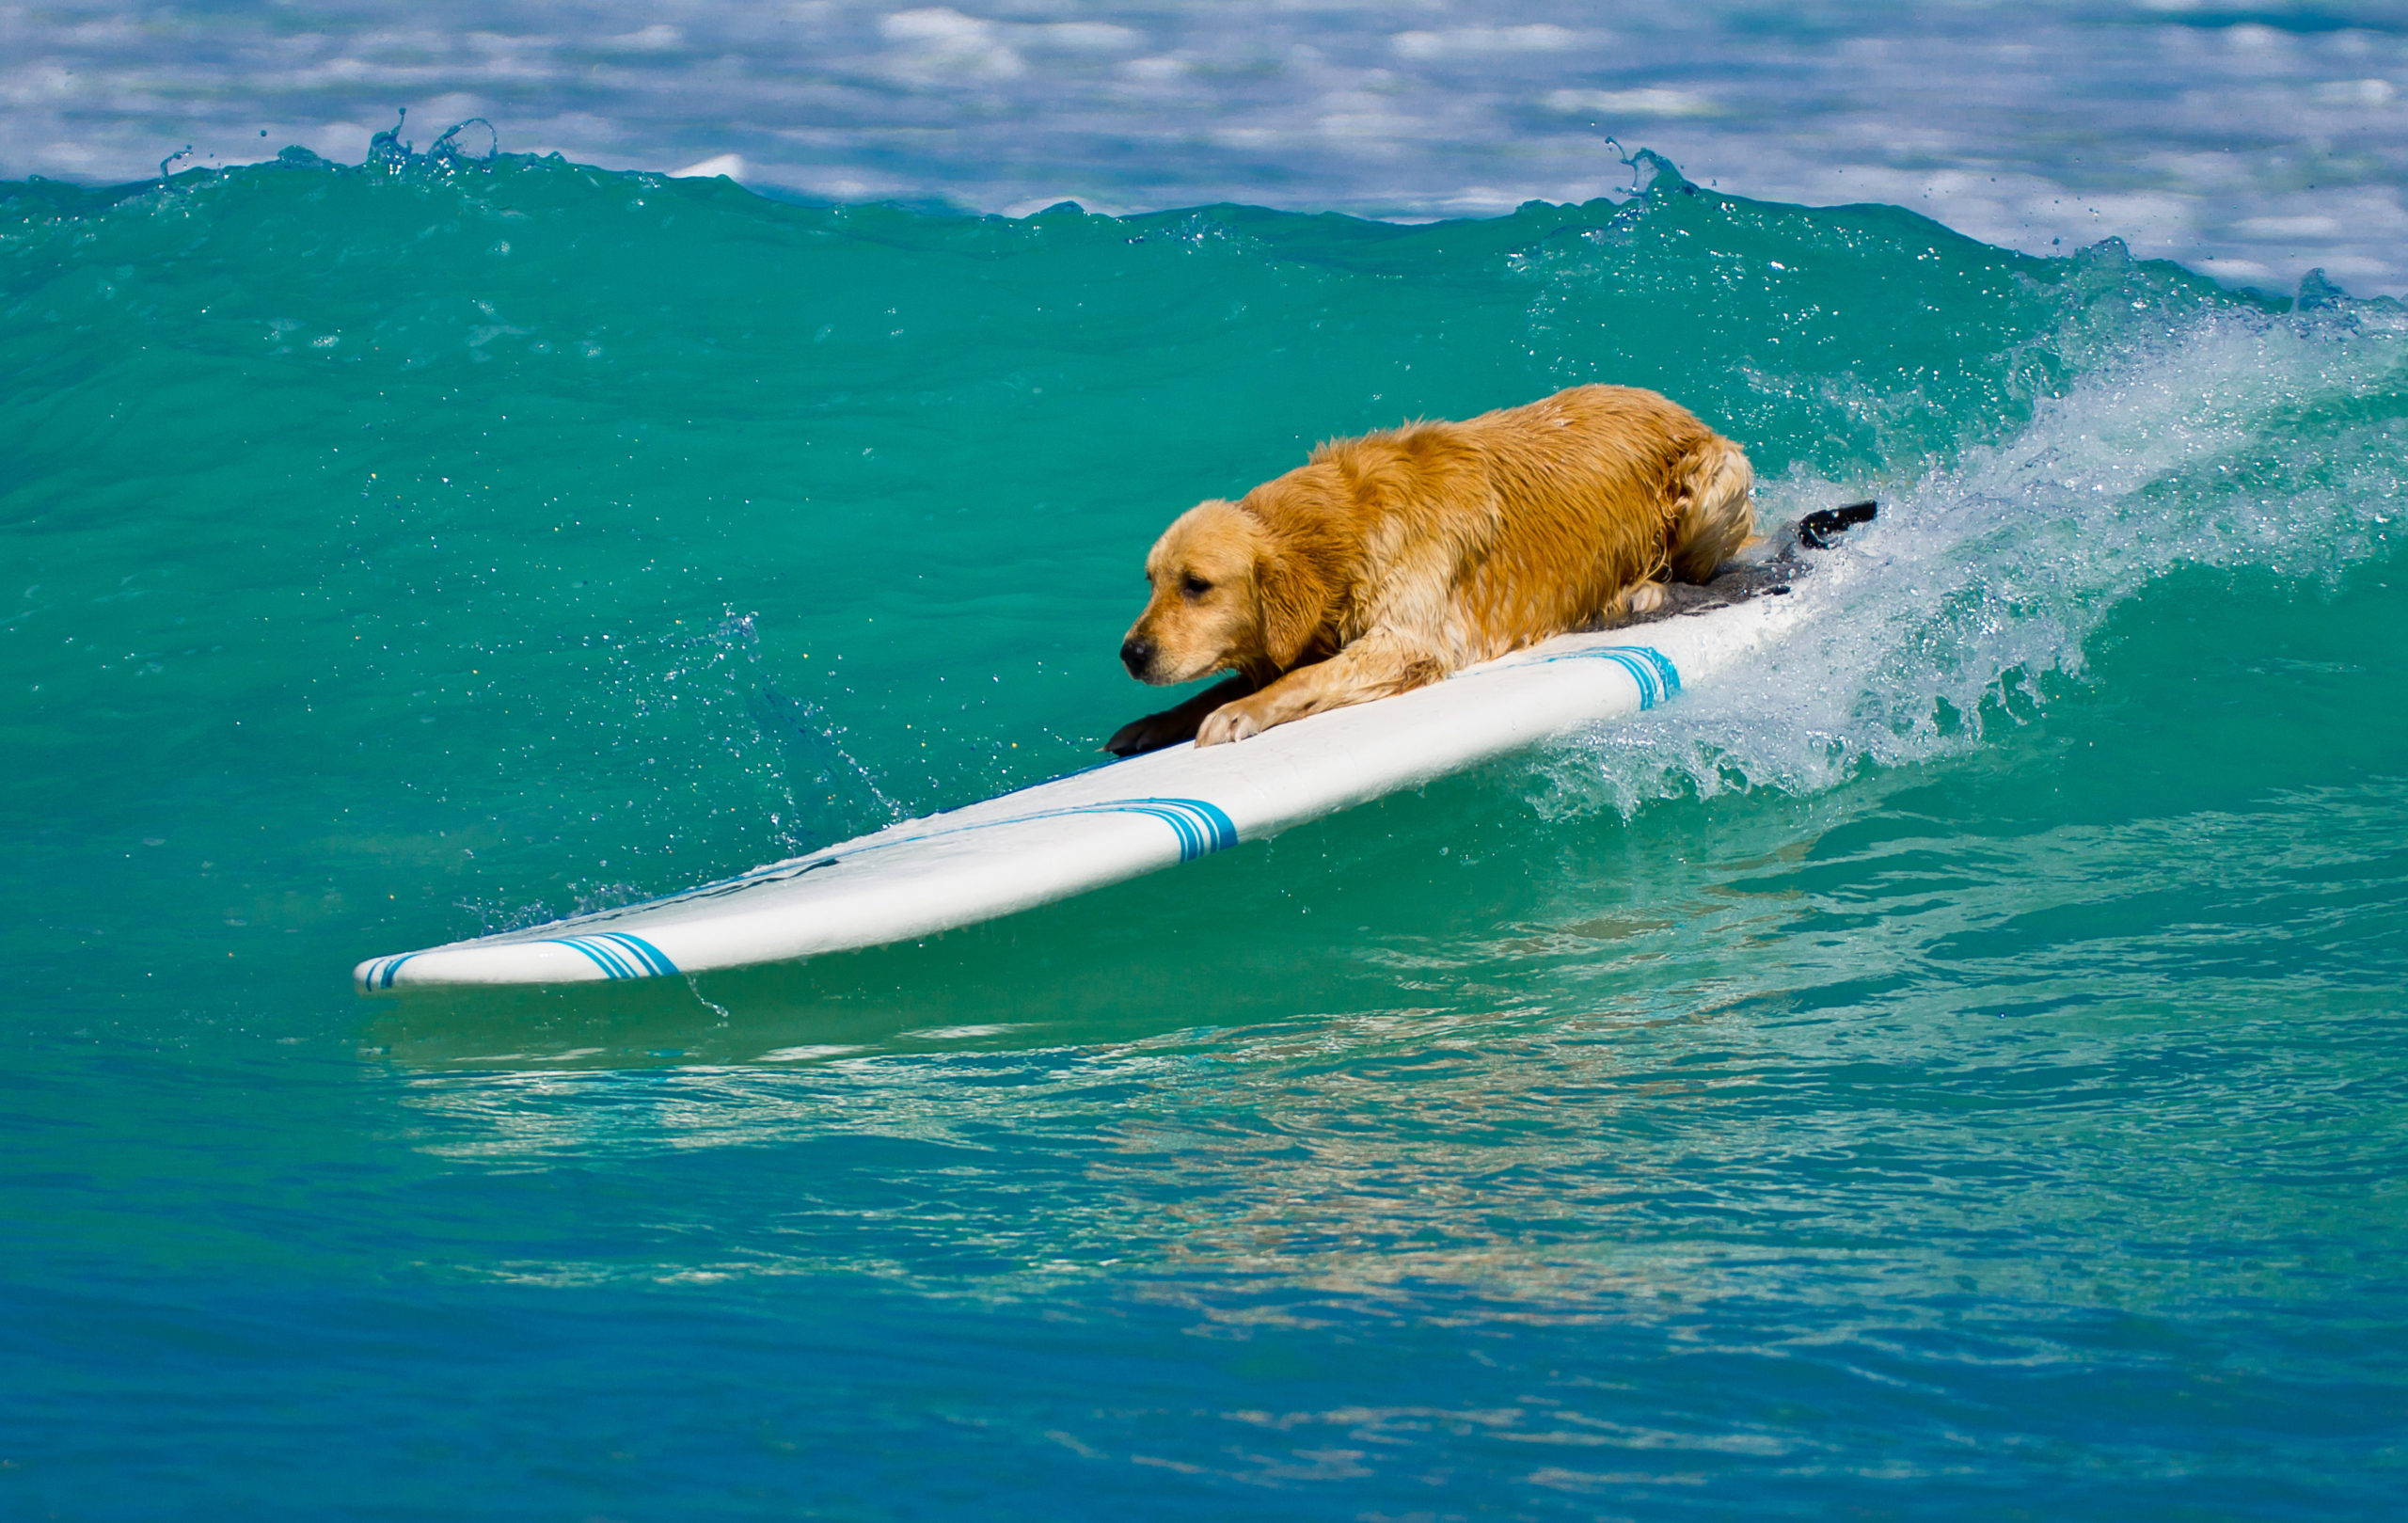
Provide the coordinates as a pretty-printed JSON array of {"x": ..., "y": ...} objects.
[{"x": 1195, "y": 586}]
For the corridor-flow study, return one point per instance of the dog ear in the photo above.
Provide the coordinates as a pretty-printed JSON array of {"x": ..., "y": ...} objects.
[{"x": 1293, "y": 599}]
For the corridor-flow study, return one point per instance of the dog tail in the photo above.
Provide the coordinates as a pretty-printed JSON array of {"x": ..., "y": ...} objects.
[{"x": 1711, "y": 511}]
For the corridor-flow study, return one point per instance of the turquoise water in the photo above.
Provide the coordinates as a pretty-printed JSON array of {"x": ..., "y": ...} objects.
[{"x": 1954, "y": 1070}]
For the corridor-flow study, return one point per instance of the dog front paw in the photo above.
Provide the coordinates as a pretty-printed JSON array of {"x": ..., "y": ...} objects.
[
  {"x": 1151, "y": 733},
  {"x": 1231, "y": 722}
]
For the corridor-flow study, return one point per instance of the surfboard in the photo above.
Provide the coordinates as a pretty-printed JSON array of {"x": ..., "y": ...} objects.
[{"x": 1116, "y": 821}]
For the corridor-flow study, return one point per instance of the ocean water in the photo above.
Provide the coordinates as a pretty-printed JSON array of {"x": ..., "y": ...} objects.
[
  {"x": 1956, "y": 1069},
  {"x": 2252, "y": 139}
]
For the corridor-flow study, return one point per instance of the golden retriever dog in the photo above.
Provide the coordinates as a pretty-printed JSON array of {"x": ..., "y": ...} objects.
[{"x": 1390, "y": 561}]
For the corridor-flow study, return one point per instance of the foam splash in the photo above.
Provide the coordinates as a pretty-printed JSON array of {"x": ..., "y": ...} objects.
[
  {"x": 832, "y": 796},
  {"x": 2238, "y": 441}
]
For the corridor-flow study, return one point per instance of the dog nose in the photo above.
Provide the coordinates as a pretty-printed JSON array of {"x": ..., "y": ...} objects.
[{"x": 1136, "y": 655}]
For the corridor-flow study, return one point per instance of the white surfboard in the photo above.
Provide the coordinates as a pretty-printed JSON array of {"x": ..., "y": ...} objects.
[{"x": 1110, "y": 823}]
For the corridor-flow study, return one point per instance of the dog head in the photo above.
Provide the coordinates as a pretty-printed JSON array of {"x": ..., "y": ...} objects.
[
  {"x": 1202, "y": 615},
  {"x": 1229, "y": 594}
]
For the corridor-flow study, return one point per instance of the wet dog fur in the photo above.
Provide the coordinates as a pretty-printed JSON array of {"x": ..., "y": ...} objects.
[{"x": 1388, "y": 562}]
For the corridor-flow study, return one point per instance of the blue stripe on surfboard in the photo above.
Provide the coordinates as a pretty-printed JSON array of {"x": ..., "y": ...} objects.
[
  {"x": 1202, "y": 828},
  {"x": 1654, "y": 673},
  {"x": 1664, "y": 670},
  {"x": 655, "y": 961},
  {"x": 618, "y": 954},
  {"x": 1650, "y": 690},
  {"x": 1191, "y": 841},
  {"x": 601, "y": 957}
]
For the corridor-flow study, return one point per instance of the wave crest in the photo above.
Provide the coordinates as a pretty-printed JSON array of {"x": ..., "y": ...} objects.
[{"x": 2238, "y": 441}]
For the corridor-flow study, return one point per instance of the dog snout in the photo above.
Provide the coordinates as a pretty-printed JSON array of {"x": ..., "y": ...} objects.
[{"x": 1137, "y": 654}]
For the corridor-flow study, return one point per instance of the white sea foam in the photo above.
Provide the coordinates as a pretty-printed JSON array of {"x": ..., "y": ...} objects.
[{"x": 2242, "y": 442}]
